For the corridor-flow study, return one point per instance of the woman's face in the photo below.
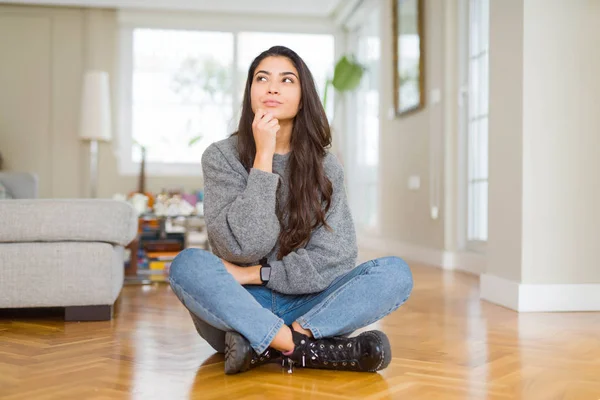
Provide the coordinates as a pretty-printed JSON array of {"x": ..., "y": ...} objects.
[{"x": 276, "y": 88}]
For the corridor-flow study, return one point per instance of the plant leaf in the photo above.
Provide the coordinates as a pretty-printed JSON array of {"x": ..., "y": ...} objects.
[{"x": 347, "y": 74}]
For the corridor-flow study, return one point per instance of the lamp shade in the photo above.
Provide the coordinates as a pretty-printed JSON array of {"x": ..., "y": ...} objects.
[{"x": 95, "y": 118}]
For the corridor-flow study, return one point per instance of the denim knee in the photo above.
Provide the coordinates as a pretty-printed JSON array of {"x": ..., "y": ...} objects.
[
  {"x": 399, "y": 276},
  {"x": 187, "y": 264}
]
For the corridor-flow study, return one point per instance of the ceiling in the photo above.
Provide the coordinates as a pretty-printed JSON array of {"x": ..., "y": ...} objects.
[{"x": 314, "y": 8}]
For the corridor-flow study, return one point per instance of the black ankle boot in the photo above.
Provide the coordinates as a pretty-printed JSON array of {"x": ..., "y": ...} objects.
[
  {"x": 368, "y": 352},
  {"x": 240, "y": 357}
]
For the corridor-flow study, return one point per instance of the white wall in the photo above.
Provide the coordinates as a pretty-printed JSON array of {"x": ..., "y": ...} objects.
[
  {"x": 405, "y": 143},
  {"x": 561, "y": 141},
  {"x": 544, "y": 142},
  {"x": 41, "y": 53},
  {"x": 505, "y": 139}
]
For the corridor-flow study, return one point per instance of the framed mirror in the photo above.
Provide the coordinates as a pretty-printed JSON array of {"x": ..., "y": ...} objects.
[{"x": 408, "y": 54}]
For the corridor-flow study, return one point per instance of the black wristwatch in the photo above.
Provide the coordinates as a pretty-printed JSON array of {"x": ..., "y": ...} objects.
[{"x": 265, "y": 271}]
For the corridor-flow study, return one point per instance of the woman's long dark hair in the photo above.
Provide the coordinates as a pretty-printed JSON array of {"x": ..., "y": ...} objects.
[{"x": 310, "y": 191}]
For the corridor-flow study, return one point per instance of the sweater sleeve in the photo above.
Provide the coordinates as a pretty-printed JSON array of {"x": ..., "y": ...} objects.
[
  {"x": 240, "y": 215},
  {"x": 326, "y": 256}
]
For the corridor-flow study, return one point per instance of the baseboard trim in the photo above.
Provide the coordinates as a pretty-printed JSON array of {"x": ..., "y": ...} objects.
[
  {"x": 462, "y": 261},
  {"x": 540, "y": 297}
]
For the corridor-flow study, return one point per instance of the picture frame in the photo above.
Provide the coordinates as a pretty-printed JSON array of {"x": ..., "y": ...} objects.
[{"x": 408, "y": 56}]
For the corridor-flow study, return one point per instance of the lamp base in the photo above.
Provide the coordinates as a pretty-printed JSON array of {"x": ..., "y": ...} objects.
[{"x": 93, "y": 169}]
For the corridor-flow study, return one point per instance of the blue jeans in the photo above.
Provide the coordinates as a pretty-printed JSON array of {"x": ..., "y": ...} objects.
[{"x": 218, "y": 303}]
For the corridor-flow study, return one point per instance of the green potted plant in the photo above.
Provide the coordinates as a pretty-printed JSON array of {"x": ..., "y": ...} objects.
[{"x": 347, "y": 75}]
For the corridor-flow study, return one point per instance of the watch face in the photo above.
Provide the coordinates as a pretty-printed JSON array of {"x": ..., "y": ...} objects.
[{"x": 265, "y": 273}]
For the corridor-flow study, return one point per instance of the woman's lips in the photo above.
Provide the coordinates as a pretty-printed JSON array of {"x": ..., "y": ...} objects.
[{"x": 271, "y": 103}]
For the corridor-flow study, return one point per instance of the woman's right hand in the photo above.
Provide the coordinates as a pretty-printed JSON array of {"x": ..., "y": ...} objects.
[{"x": 264, "y": 128}]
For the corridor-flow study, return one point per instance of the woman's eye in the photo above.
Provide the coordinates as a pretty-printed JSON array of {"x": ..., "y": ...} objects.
[
  {"x": 288, "y": 80},
  {"x": 261, "y": 79}
]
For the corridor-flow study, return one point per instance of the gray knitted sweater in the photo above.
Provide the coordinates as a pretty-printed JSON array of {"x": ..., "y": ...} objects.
[{"x": 242, "y": 225}]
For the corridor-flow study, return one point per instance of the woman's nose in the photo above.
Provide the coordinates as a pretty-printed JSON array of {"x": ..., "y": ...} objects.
[{"x": 273, "y": 89}]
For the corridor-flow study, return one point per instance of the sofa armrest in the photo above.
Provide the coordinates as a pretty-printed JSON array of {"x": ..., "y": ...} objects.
[
  {"x": 20, "y": 185},
  {"x": 59, "y": 220}
]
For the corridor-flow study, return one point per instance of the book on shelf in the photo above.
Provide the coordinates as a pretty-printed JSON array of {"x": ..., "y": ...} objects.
[{"x": 159, "y": 265}]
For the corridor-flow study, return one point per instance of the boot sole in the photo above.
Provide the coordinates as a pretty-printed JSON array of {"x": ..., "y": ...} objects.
[
  {"x": 384, "y": 342},
  {"x": 238, "y": 353}
]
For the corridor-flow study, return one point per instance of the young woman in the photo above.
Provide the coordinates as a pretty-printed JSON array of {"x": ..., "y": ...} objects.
[{"x": 281, "y": 280}]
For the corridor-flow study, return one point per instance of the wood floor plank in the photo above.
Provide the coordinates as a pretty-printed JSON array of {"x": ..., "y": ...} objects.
[{"x": 447, "y": 344}]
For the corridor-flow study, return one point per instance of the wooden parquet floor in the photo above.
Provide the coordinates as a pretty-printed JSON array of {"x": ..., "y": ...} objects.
[{"x": 447, "y": 344}]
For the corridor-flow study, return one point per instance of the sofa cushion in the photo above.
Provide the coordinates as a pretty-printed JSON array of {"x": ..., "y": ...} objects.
[
  {"x": 60, "y": 220},
  {"x": 59, "y": 274}
]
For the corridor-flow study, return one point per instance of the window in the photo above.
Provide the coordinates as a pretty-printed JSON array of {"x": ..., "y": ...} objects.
[
  {"x": 363, "y": 144},
  {"x": 476, "y": 122},
  {"x": 182, "y": 90}
]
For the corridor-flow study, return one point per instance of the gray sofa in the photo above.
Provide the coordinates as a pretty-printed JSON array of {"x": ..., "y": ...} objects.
[{"x": 63, "y": 253}]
